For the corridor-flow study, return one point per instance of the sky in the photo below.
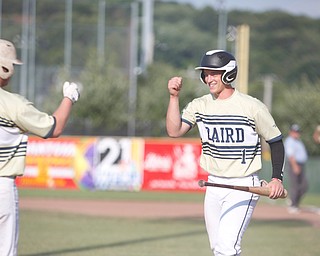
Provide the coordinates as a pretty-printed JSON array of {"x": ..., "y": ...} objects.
[{"x": 310, "y": 8}]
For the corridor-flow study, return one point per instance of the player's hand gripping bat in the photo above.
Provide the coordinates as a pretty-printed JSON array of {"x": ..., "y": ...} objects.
[{"x": 262, "y": 191}]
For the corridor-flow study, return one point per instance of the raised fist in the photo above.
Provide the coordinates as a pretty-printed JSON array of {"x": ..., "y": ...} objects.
[
  {"x": 71, "y": 91},
  {"x": 175, "y": 85}
]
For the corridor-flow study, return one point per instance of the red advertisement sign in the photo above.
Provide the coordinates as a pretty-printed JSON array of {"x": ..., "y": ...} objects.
[{"x": 172, "y": 165}]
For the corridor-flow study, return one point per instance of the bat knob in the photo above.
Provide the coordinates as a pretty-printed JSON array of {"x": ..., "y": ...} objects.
[
  {"x": 201, "y": 183},
  {"x": 285, "y": 194}
]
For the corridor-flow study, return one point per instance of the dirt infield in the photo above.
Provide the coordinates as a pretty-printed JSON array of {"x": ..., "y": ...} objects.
[{"x": 134, "y": 209}]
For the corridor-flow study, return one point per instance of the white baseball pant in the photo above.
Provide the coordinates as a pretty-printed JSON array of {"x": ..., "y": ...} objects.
[
  {"x": 228, "y": 213},
  {"x": 9, "y": 217}
]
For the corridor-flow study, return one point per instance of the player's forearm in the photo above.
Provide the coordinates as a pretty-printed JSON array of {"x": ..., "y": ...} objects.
[
  {"x": 173, "y": 119},
  {"x": 277, "y": 159},
  {"x": 61, "y": 115}
]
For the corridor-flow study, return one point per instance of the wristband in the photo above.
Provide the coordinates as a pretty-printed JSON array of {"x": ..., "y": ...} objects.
[{"x": 277, "y": 179}]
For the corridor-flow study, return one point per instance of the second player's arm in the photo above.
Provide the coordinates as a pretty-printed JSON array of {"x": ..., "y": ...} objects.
[
  {"x": 71, "y": 95},
  {"x": 61, "y": 115}
]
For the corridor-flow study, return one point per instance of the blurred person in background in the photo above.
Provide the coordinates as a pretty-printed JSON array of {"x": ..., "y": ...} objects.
[
  {"x": 297, "y": 157},
  {"x": 316, "y": 134},
  {"x": 18, "y": 117}
]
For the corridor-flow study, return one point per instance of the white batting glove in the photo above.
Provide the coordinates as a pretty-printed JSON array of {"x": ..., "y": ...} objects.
[{"x": 71, "y": 91}]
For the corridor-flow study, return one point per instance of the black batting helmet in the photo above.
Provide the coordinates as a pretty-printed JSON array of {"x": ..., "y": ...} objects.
[{"x": 219, "y": 60}]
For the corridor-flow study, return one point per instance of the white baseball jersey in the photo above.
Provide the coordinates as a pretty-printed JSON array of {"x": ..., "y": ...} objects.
[
  {"x": 18, "y": 117},
  {"x": 230, "y": 131}
]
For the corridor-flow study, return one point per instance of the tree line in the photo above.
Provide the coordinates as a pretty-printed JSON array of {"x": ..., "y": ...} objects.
[{"x": 283, "y": 46}]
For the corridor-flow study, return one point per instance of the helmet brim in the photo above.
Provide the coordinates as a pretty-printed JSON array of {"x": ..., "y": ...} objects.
[
  {"x": 208, "y": 68},
  {"x": 13, "y": 61},
  {"x": 17, "y": 62}
]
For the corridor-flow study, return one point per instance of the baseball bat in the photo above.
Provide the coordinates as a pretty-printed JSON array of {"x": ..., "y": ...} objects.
[{"x": 262, "y": 191}]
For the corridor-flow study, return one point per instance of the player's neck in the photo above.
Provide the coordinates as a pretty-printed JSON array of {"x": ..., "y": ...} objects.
[{"x": 225, "y": 93}]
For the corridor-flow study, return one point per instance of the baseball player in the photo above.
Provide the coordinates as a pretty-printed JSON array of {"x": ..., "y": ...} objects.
[
  {"x": 18, "y": 117},
  {"x": 230, "y": 125}
]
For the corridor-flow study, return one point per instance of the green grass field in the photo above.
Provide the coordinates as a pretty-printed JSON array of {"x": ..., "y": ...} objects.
[{"x": 56, "y": 234}]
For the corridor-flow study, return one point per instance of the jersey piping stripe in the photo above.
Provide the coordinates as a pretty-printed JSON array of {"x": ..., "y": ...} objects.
[
  {"x": 229, "y": 152},
  {"x": 230, "y": 147},
  {"x": 226, "y": 122},
  {"x": 6, "y": 123},
  {"x": 224, "y": 119},
  {"x": 231, "y": 156},
  {"x": 222, "y": 116},
  {"x": 14, "y": 151},
  {"x": 187, "y": 122}
]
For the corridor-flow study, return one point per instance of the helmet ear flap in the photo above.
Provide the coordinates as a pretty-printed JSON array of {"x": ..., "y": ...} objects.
[
  {"x": 6, "y": 69},
  {"x": 229, "y": 77},
  {"x": 202, "y": 77}
]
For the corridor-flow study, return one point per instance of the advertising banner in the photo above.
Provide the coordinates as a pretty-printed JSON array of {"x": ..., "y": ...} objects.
[
  {"x": 113, "y": 163},
  {"x": 50, "y": 163},
  {"x": 172, "y": 165},
  {"x": 102, "y": 163},
  {"x": 116, "y": 164}
]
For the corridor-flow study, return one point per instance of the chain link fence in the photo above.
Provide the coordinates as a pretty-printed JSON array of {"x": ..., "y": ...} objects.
[{"x": 95, "y": 49}]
